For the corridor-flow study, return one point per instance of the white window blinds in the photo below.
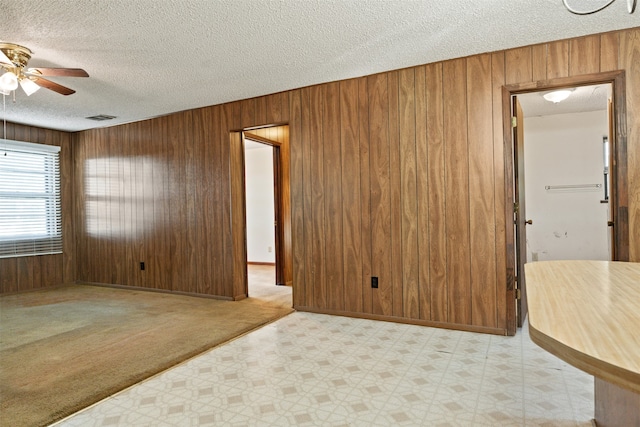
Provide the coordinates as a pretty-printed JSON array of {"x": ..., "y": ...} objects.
[{"x": 30, "y": 212}]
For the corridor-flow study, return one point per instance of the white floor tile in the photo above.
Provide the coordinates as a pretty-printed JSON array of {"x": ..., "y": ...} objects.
[{"x": 313, "y": 369}]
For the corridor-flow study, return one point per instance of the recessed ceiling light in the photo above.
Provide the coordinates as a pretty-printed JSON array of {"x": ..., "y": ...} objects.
[
  {"x": 101, "y": 117},
  {"x": 557, "y": 95}
]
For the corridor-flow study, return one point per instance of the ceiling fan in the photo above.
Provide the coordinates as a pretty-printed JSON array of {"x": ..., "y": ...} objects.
[{"x": 14, "y": 59}]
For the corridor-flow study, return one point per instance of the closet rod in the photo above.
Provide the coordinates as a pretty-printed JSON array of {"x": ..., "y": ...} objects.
[{"x": 574, "y": 186}]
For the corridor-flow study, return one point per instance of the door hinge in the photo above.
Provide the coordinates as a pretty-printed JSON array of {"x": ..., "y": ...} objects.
[
  {"x": 514, "y": 122},
  {"x": 516, "y": 206},
  {"x": 518, "y": 296}
]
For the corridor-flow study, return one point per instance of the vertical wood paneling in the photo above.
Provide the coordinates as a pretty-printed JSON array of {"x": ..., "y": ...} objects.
[
  {"x": 112, "y": 221},
  {"x": 238, "y": 219},
  {"x": 25, "y": 272},
  {"x": 226, "y": 123},
  {"x": 237, "y": 267},
  {"x": 9, "y": 277},
  {"x": 124, "y": 225},
  {"x": 248, "y": 112},
  {"x": 307, "y": 194},
  {"x": 481, "y": 192},
  {"x": 422, "y": 190},
  {"x": 557, "y": 61},
  {"x": 408, "y": 188},
  {"x": 115, "y": 183},
  {"x": 67, "y": 177},
  {"x": 96, "y": 200},
  {"x": 205, "y": 240},
  {"x": 297, "y": 198},
  {"x": 365, "y": 193},
  {"x": 274, "y": 108},
  {"x": 160, "y": 268},
  {"x": 144, "y": 209},
  {"x": 380, "y": 193},
  {"x": 318, "y": 257},
  {"x": 216, "y": 244},
  {"x": 437, "y": 202},
  {"x": 101, "y": 178},
  {"x": 584, "y": 55},
  {"x": 457, "y": 191},
  {"x": 285, "y": 162},
  {"x": 351, "y": 208},
  {"x": 97, "y": 195},
  {"x": 395, "y": 233},
  {"x": 498, "y": 81},
  {"x": 177, "y": 201},
  {"x": 519, "y": 67},
  {"x": 261, "y": 110},
  {"x": 629, "y": 60},
  {"x": 192, "y": 225},
  {"x": 80, "y": 204},
  {"x": 609, "y": 51},
  {"x": 539, "y": 62},
  {"x": 277, "y": 108},
  {"x": 203, "y": 207}
]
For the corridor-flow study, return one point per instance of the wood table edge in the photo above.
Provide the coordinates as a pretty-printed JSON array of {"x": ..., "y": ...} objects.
[{"x": 621, "y": 377}]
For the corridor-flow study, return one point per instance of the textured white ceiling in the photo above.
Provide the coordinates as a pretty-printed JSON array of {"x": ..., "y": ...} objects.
[
  {"x": 152, "y": 57},
  {"x": 582, "y": 99}
]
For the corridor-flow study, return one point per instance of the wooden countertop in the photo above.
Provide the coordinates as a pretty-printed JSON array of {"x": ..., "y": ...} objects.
[{"x": 588, "y": 314}]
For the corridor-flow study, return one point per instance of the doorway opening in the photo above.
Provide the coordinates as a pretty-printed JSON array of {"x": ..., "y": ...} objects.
[
  {"x": 574, "y": 156},
  {"x": 566, "y": 171},
  {"x": 267, "y": 222},
  {"x": 260, "y": 200}
]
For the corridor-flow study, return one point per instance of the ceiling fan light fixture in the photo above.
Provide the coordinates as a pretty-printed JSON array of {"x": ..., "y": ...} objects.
[
  {"x": 14, "y": 59},
  {"x": 557, "y": 95},
  {"x": 8, "y": 82},
  {"x": 29, "y": 86}
]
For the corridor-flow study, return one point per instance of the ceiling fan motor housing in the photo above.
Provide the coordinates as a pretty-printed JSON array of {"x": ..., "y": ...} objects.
[{"x": 19, "y": 55}]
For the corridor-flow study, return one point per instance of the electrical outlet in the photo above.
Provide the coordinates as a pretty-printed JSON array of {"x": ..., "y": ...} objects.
[
  {"x": 374, "y": 282},
  {"x": 270, "y": 249},
  {"x": 142, "y": 266}
]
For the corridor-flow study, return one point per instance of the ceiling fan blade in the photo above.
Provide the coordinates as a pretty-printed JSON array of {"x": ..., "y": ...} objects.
[
  {"x": 52, "y": 86},
  {"x": 61, "y": 72},
  {"x": 4, "y": 59}
]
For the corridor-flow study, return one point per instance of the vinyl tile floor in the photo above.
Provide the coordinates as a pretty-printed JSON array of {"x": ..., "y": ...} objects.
[{"x": 318, "y": 370}]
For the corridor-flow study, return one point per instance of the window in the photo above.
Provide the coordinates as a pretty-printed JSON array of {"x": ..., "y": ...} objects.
[{"x": 30, "y": 214}]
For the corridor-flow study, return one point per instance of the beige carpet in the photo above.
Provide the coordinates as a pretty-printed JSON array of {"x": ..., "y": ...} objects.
[{"x": 66, "y": 348}]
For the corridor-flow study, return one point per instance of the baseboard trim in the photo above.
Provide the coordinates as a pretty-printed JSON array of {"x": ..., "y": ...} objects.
[
  {"x": 163, "y": 291},
  {"x": 261, "y": 263},
  {"x": 42, "y": 288},
  {"x": 430, "y": 323}
]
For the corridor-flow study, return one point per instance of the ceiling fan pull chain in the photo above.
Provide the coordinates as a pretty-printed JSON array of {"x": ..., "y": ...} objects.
[{"x": 4, "y": 122}]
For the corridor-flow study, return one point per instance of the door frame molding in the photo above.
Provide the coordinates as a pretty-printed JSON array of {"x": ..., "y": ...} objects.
[
  {"x": 238, "y": 222},
  {"x": 619, "y": 198}
]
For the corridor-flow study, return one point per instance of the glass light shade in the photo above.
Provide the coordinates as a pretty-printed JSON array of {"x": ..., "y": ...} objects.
[
  {"x": 557, "y": 96},
  {"x": 29, "y": 86},
  {"x": 8, "y": 82}
]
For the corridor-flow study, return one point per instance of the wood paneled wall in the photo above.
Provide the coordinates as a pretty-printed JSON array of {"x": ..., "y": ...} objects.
[
  {"x": 398, "y": 175},
  {"x": 33, "y": 272},
  {"x": 159, "y": 192}
]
